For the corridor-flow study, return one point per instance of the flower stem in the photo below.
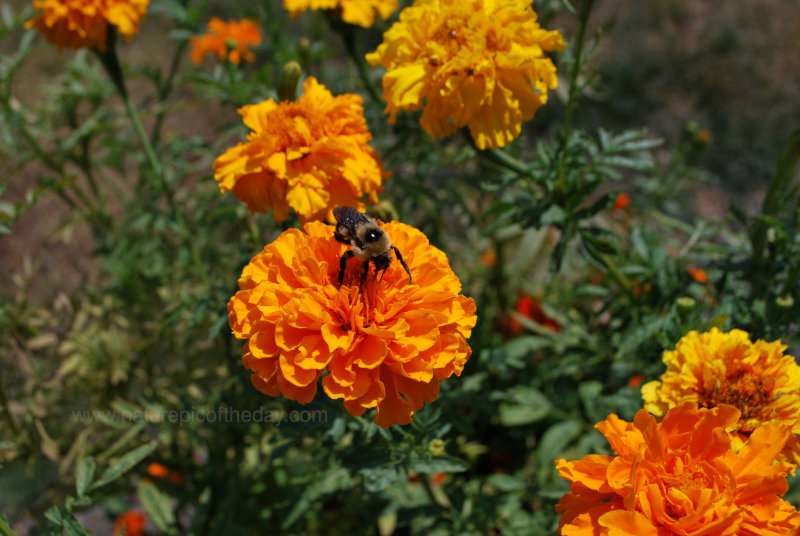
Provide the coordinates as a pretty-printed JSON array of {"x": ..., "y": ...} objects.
[
  {"x": 776, "y": 194},
  {"x": 574, "y": 87},
  {"x": 499, "y": 157},
  {"x": 111, "y": 63},
  {"x": 574, "y": 92},
  {"x": 349, "y": 39}
]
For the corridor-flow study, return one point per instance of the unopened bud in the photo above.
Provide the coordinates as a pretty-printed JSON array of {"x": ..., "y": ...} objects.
[
  {"x": 436, "y": 447},
  {"x": 384, "y": 211},
  {"x": 304, "y": 52},
  {"x": 685, "y": 305},
  {"x": 287, "y": 86}
]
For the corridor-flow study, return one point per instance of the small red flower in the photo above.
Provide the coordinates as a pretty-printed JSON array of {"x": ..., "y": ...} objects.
[
  {"x": 698, "y": 274},
  {"x": 622, "y": 202},
  {"x": 635, "y": 381},
  {"x": 530, "y": 308},
  {"x": 132, "y": 521}
]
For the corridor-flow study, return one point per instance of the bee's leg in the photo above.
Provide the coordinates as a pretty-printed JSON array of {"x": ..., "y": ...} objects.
[
  {"x": 400, "y": 258},
  {"x": 365, "y": 272},
  {"x": 343, "y": 265}
]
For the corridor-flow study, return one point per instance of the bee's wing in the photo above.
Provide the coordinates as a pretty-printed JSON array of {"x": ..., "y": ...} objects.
[{"x": 350, "y": 218}]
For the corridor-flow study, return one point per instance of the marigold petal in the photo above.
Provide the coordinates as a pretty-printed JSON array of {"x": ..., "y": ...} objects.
[{"x": 627, "y": 523}]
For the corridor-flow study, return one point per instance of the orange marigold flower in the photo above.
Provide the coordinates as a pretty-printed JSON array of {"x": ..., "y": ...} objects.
[
  {"x": 716, "y": 368},
  {"x": 132, "y": 521},
  {"x": 236, "y": 36},
  {"x": 84, "y": 23},
  {"x": 622, "y": 201},
  {"x": 679, "y": 476},
  {"x": 358, "y": 12},
  {"x": 385, "y": 345},
  {"x": 698, "y": 274},
  {"x": 309, "y": 155},
  {"x": 479, "y": 64}
]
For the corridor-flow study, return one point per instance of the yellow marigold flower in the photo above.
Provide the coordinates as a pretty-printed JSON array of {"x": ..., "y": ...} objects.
[
  {"x": 385, "y": 345},
  {"x": 716, "y": 368},
  {"x": 309, "y": 155},
  {"x": 679, "y": 476},
  {"x": 358, "y": 12},
  {"x": 84, "y": 23},
  {"x": 236, "y": 35},
  {"x": 478, "y": 63}
]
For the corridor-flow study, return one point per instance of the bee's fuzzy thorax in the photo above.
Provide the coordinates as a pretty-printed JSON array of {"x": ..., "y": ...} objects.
[{"x": 371, "y": 248}]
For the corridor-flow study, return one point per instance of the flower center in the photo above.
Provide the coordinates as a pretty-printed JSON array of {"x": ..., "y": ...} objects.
[
  {"x": 689, "y": 480},
  {"x": 744, "y": 389}
]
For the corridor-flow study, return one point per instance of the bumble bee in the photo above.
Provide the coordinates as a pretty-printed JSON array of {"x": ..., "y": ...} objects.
[{"x": 369, "y": 242}]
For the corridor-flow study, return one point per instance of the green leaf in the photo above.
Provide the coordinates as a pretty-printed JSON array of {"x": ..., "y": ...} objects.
[
  {"x": 381, "y": 477},
  {"x": 124, "y": 463},
  {"x": 73, "y": 527},
  {"x": 552, "y": 444},
  {"x": 437, "y": 464},
  {"x": 5, "y": 529},
  {"x": 54, "y": 515},
  {"x": 157, "y": 505},
  {"x": 527, "y": 405},
  {"x": 506, "y": 483},
  {"x": 84, "y": 475},
  {"x": 331, "y": 482}
]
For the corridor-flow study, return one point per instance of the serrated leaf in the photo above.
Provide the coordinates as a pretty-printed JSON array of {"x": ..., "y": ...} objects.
[
  {"x": 589, "y": 391},
  {"x": 379, "y": 478},
  {"x": 73, "y": 527},
  {"x": 5, "y": 529},
  {"x": 54, "y": 515},
  {"x": 553, "y": 216},
  {"x": 553, "y": 442},
  {"x": 124, "y": 463},
  {"x": 506, "y": 483},
  {"x": 438, "y": 464},
  {"x": 84, "y": 475},
  {"x": 328, "y": 483},
  {"x": 157, "y": 505},
  {"x": 528, "y": 405}
]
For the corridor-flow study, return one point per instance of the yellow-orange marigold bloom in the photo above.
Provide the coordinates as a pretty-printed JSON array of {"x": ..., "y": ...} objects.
[
  {"x": 385, "y": 345},
  {"x": 231, "y": 40},
  {"x": 716, "y": 368},
  {"x": 358, "y": 12},
  {"x": 309, "y": 155},
  {"x": 679, "y": 476},
  {"x": 84, "y": 23},
  {"x": 476, "y": 63}
]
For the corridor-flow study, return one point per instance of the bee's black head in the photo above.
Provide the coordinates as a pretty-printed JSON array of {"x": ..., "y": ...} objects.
[{"x": 373, "y": 235}]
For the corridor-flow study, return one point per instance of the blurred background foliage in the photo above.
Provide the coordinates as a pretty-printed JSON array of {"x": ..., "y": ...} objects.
[{"x": 666, "y": 203}]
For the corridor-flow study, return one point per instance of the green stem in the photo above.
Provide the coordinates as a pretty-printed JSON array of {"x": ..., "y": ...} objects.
[
  {"x": 148, "y": 148},
  {"x": 6, "y": 412},
  {"x": 349, "y": 38},
  {"x": 164, "y": 91},
  {"x": 776, "y": 193},
  {"x": 615, "y": 273},
  {"x": 574, "y": 91},
  {"x": 574, "y": 87},
  {"x": 111, "y": 63},
  {"x": 426, "y": 484},
  {"x": 499, "y": 157}
]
